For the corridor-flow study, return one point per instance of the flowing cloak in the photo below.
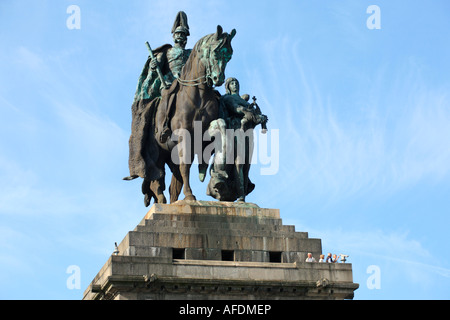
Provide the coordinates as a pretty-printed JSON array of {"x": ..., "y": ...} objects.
[
  {"x": 223, "y": 183},
  {"x": 143, "y": 149}
]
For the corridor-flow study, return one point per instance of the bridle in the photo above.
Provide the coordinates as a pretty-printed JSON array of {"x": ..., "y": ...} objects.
[
  {"x": 194, "y": 82},
  {"x": 200, "y": 80}
]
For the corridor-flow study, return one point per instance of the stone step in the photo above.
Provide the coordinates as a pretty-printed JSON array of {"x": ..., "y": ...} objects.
[
  {"x": 198, "y": 226},
  {"x": 216, "y": 240},
  {"x": 223, "y": 218},
  {"x": 198, "y": 208},
  {"x": 281, "y": 233}
]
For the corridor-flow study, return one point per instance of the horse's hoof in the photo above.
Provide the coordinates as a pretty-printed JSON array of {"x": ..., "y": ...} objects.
[
  {"x": 190, "y": 197},
  {"x": 147, "y": 200},
  {"x": 202, "y": 172}
]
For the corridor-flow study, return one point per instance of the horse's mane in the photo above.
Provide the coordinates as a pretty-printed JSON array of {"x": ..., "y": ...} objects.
[
  {"x": 193, "y": 55},
  {"x": 198, "y": 48}
]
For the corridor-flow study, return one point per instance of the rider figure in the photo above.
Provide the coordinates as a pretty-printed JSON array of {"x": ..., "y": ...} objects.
[{"x": 171, "y": 60}]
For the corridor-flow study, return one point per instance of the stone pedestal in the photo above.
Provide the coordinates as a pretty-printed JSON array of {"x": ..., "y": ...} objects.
[{"x": 218, "y": 250}]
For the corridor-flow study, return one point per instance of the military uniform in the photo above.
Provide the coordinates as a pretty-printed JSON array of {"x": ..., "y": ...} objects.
[{"x": 170, "y": 59}]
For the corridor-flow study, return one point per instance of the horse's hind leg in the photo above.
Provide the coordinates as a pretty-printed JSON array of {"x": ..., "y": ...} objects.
[
  {"x": 185, "y": 156},
  {"x": 148, "y": 193},
  {"x": 157, "y": 187}
]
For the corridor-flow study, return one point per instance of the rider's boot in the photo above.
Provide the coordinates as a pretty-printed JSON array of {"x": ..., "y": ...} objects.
[{"x": 165, "y": 132}]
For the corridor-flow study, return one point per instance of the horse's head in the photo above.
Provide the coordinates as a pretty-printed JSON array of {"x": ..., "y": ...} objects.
[{"x": 217, "y": 51}]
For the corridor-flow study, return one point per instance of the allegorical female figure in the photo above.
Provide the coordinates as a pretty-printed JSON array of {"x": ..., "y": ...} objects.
[{"x": 229, "y": 172}]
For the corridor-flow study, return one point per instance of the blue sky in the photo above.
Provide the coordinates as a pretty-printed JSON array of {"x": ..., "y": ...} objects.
[{"x": 363, "y": 117}]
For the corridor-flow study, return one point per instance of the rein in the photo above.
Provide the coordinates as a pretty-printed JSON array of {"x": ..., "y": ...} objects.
[{"x": 194, "y": 82}]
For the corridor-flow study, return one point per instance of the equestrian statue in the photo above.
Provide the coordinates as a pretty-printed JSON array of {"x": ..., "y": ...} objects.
[{"x": 175, "y": 99}]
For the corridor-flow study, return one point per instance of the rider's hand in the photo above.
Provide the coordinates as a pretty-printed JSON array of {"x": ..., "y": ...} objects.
[{"x": 153, "y": 64}]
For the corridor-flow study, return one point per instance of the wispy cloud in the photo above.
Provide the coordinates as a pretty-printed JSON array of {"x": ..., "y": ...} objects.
[
  {"x": 400, "y": 257},
  {"x": 396, "y": 137}
]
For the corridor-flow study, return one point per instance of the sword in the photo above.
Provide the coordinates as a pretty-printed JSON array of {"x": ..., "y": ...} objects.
[{"x": 158, "y": 70}]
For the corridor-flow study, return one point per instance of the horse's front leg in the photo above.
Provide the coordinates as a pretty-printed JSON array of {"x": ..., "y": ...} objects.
[
  {"x": 185, "y": 167},
  {"x": 147, "y": 192},
  {"x": 176, "y": 184},
  {"x": 218, "y": 147},
  {"x": 205, "y": 156},
  {"x": 184, "y": 170}
]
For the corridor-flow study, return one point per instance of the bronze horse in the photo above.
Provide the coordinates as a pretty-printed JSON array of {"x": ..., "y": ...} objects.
[{"x": 191, "y": 98}]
